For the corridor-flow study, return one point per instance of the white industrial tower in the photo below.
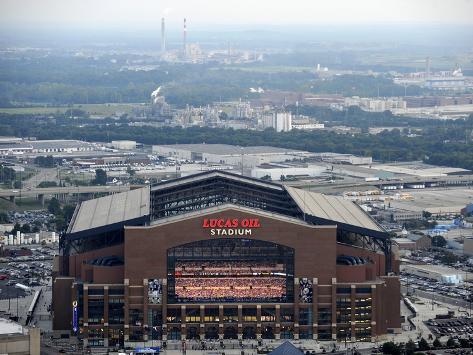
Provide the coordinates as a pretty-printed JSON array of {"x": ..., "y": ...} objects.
[{"x": 163, "y": 35}]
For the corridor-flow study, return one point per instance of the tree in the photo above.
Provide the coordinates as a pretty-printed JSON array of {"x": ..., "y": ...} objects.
[
  {"x": 54, "y": 206},
  {"x": 437, "y": 344},
  {"x": 223, "y": 116},
  {"x": 423, "y": 344},
  {"x": 100, "y": 177},
  {"x": 7, "y": 175},
  {"x": 68, "y": 211},
  {"x": 391, "y": 348},
  {"x": 25, "y": 228},
  {"x": 47, "y": 184},
  {"x": 60, "y": 222},
  {"x": 130, "y": 171},
  {"x": 449, "y": 258},
  {"x": 426, "y": 214},
  {"x": 4, "y": 218},
  {"x": 16, "y": 228},
  {"x": 438, "y": 241},
  {"x": 410, "y": 347},
  {"x": 45, "y": 162},
  {"x": 464, "y": 343},
  {"x": 450, "y": 343}
]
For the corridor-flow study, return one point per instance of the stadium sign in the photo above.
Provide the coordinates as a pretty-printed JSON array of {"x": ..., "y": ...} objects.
[
  {"x": 221, "y": 227},
  {"x": 75, "y": 323}
]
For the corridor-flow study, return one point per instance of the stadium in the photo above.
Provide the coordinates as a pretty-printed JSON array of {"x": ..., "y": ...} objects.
[{"x": 221, "y": 256}]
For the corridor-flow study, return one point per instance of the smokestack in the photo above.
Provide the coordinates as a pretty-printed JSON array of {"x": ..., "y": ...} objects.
[
  {"x": 185, "y": 38},
  {"x": 427, "y": 67},
  {"x": 163, "y": 35}
]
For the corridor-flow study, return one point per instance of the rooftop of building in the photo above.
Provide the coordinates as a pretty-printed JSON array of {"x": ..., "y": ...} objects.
[
  {"x": 444, "y": 270},
  {"x": 402, "y": 241},
  {"x": 9, "y": 327},
  {"x": 417, "y": 168},
  {"x": 58, "y": 143},
  {"x": 44, "y": 144},
  {"x": 226, "y": 149},
  {"x": 416, "y": 237}
]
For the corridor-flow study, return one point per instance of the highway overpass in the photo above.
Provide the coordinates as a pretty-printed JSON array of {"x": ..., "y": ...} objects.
[
  {"x": 61, "y": 192},
  {"x": 413, "y": 182}
]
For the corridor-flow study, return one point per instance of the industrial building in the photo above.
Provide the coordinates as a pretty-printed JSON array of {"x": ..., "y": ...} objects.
[
  {"x": 221, "y": 256},
  {"x": 339, "y": 158},
  {"x": 283, "y": 172},
  {"x": 18, "y": 340},
  {"x": 376, "y": 105},
  {"x": 400, "y": 215},
  {"x": 432, "y": 101},
  {"x": 413, "y": 242},
  {"x": 249, "y": 157},
  {"x": 18, "y": 147},
  {"x": 468, "y": 246},
  {"x": 124, "y": 145},
  {"x": 279, "y": 121}
]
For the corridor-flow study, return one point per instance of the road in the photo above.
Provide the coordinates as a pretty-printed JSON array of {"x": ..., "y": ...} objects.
[
  {"x": 438, "y": 297},
  {"x": 44, "y": 174},
  {"x": 444, "y": 181},
  {"x": 63, "y": 190}
]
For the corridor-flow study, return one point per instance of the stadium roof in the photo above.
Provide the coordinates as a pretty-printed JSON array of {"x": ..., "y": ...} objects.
[
  {"x": 202, "y": 191},
  {"x": 225, "y": 207},
  {"x": 226, "y": 149},
  {"x": 332, "y": 208},
  {"x": 110, "y": 210},
  {"x": 210, "y": 174}
]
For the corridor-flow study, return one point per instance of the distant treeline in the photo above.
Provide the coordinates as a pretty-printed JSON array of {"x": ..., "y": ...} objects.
[
  {"x": 444, "y": 143},
  {"x": 62, "y": 80}
]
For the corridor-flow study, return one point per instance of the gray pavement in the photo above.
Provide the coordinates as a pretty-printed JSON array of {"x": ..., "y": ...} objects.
[{"x": 435, "y": 297}]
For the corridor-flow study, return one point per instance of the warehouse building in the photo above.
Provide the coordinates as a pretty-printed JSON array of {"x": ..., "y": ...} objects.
[
  {"x": 225, "y": 154},
  {"x": 46, "y": 147},
  {"x": 277, "y": 172}
]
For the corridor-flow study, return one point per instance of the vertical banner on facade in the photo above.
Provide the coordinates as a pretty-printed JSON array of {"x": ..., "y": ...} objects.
[
  {"x": 75, "y": 318},
  {"x": 155, "y": 291},
  {"x": 305, "y": 290}
]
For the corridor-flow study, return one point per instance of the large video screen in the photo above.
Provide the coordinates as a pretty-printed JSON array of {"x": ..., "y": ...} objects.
[{"x": 230, "y": 270}]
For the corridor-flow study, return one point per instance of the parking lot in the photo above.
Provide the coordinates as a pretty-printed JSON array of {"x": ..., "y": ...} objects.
[
  {"x": 450, "y": 327},
  {"x": 412, "y": 283},
  {"x": 28, "y": 271}
]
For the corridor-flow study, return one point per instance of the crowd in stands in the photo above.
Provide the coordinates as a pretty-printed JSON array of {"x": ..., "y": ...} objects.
[
  {"x": 230, "y": 289},
  {"x": 238, "y": 268}
]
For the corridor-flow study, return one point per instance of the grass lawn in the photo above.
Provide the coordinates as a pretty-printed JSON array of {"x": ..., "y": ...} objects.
[{"x": 93, "y": 109}]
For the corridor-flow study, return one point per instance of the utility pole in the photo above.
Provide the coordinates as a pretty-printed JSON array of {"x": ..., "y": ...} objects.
[
  {"x": 17, "y": 305},
  {"x": 241, "y": 160}
]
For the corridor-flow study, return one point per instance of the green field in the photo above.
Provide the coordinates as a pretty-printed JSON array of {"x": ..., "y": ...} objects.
[
  {"x": 92, "y": 109},
  {"x": 21, "y": 205},
  {"x": 417, "y": 62},
  {"x": 269, "y": 69}
]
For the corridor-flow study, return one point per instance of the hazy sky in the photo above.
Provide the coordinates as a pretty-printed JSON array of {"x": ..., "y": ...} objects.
[{"x": 144, "y": 13}]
